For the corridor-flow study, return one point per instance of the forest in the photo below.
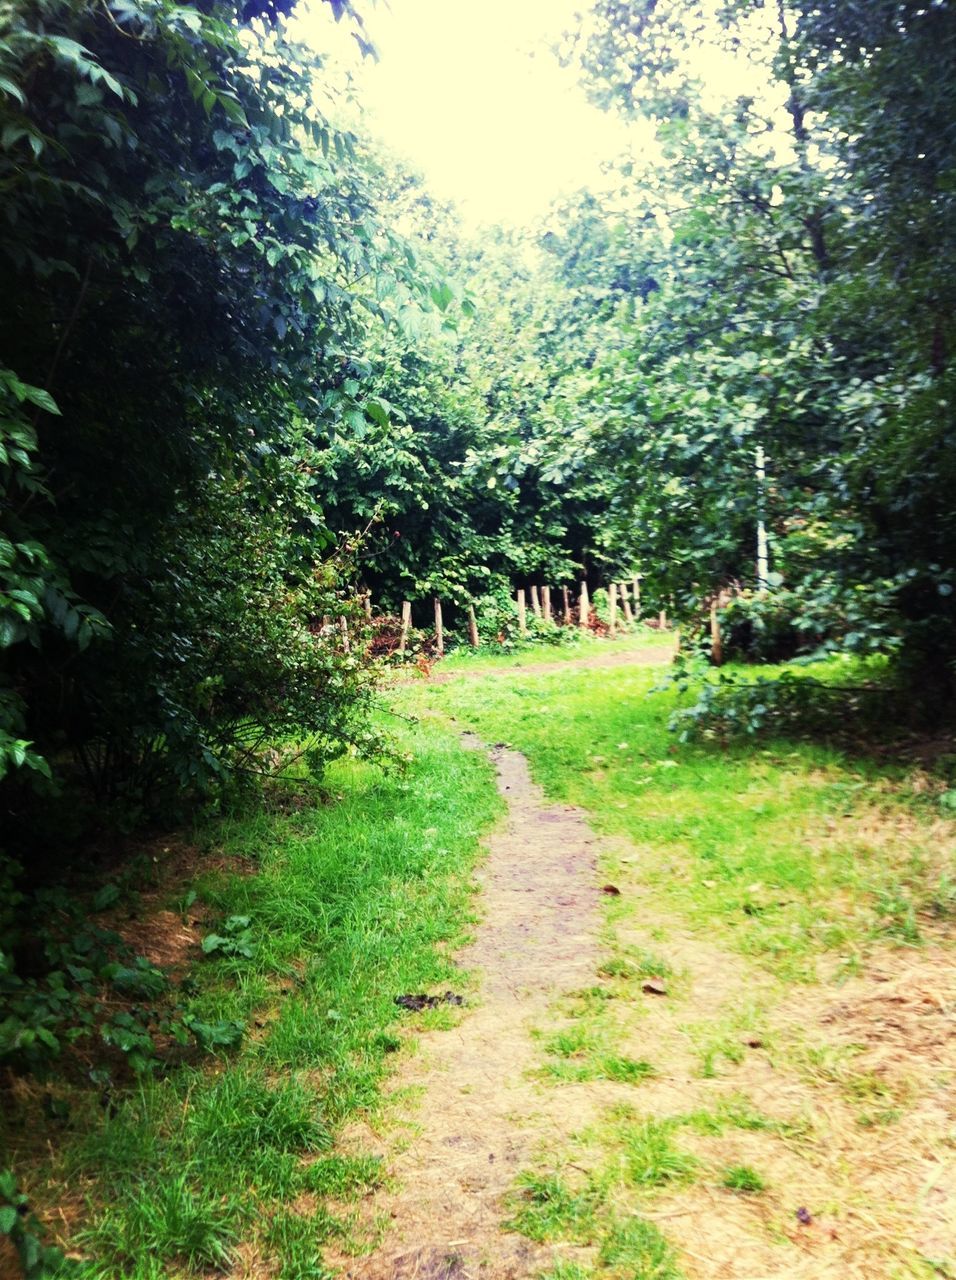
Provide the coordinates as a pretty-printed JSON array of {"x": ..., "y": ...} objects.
[{"x": 260, "y": 389}]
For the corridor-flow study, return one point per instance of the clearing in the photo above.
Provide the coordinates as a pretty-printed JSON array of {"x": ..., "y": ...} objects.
[{"x": 707, "y": 1031}]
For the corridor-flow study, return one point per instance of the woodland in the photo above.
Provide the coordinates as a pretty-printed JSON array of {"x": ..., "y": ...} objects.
[{"x": 254, "y": 376}]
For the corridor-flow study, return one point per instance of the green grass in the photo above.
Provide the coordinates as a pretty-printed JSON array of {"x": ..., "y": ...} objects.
[
  {"x": 651, "y": 1158},
  {"x": 636, "y": 1248},
  {"x": 570, "y": 647},
  {"x": 546, "y": 1208},
  {"x": 791, "y": 849},
  {"x": 743, "y": 1179},
  {"x": 352, "y": 902}
]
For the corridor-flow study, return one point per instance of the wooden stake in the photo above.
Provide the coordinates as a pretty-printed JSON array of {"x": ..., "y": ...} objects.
[
  {"x": 567, "y": 606},
  {"x": 546, "y": 603},
  {"x": 367, "y": 602},
  {"x": 626, "y": 604},
  {"x": 716, "y": 639},
  {"x": 612, "y": 609},
  {"x": 344, "y": 628},
  {"x": 439, "y": 630},
  {"x": 535, "y": 602},
  {"x": 636, "y": 584},
  {"x": 406, "y": 625},
  {"x": 662, "y": 619},
  {"x": 522, "y": 615},
  {"x": 472, "y": 627},
  {"x": 584, "y": 607}
]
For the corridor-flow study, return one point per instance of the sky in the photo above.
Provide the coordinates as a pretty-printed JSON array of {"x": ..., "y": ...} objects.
[{"x": 468, "y": 92}]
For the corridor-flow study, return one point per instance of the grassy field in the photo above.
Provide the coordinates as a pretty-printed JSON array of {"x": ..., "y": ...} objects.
[{"x": 233, "y": 1161}]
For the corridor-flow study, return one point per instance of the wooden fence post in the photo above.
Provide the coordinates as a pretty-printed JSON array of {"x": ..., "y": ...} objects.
[
  {"x": 367, "y": 603},
  {"x": 612, "y": 609},
  {"x": 472, "y": 627},
  {"x": 546, "y": 603},
  {"x": 567, "y": 606},
  {"x": 344, "y": 628},
  {"x": 535, "y": 601},
  {"x": 584, "y": 607},
  {"x": 406, "y": 626},
  {"x": 626, "y": 604},
  {"x": 662, "y": 619},
  {"x": 636, "y": 584},
  {"x": 522, "y": 615},
  {"x": 716, "y": 639},
  {"x": 439, "y": 630}
]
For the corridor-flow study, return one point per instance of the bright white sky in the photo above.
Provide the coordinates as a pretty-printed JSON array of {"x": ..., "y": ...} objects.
[
  {"x": 470, "y": 94},
  {"x": 458, "y": 94}
]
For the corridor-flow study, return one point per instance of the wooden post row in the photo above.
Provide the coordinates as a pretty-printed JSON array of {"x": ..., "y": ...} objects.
[{"x": 522, "y": 615}]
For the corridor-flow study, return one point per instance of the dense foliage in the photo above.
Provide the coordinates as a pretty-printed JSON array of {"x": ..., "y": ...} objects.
[
  {"x": 786, "y": 269},
  {"x": 183, "y": 229}
]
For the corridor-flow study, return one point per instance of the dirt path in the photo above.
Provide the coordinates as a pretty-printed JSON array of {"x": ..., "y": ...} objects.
[
  {"x": 481, "y": 1117},
  {"x": 657, "y": 656}
]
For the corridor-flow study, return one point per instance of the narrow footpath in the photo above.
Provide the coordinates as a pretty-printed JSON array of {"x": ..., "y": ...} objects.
[{"x": 481, "y": 1119}]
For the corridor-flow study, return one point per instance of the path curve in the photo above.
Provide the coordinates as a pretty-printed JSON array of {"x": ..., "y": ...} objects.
[{"x": 481, "y": 1117}]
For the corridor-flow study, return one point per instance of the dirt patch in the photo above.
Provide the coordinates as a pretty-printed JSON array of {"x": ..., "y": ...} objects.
[
  {"x": 841, "y": 1099},
  {"x": 165, "y": 939},
  {"x": 481, "y": 1117}
]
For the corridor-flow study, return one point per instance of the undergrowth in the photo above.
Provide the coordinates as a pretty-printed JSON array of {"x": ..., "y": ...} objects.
[{"x": 330, "y": 913}]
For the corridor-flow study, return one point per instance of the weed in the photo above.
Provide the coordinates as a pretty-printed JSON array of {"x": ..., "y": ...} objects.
[
  {"x": 297, "y": 1239},
  {"x": 547, "y": 1209},
  {"x": 627, "y": 1070},
  {"x": 563, "y": 1270},
  {"x": 174, "y": 1221},
  {"x": 732, "y": 1112},
  {"x": 635, "y": 963},
  {"x": 637, "y": 1248},
  {"x": 740, "y": 1177},
  {"x": 342, "y": 1176},
  {"x": 650, "y": 1158}
]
